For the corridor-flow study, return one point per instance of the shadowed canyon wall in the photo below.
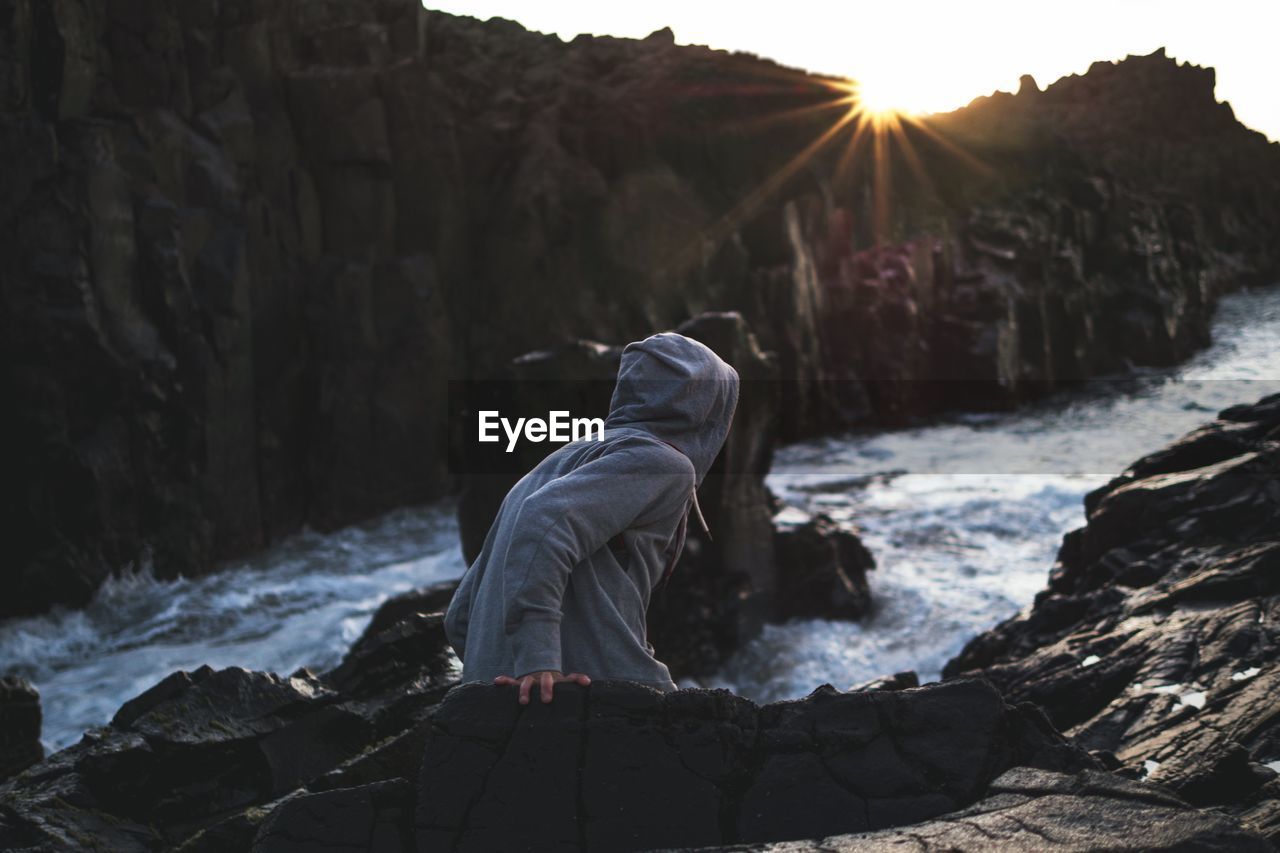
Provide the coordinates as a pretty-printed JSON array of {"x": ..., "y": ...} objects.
[{"x": 246, "y": 244}]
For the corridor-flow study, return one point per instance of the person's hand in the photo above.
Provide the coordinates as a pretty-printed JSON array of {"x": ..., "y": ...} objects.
[{"x": 546, "y": 678}]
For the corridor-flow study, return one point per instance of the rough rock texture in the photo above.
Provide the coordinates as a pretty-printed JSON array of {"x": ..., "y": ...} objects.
[
  {"x": 20, "y": 745},
  {"x": 822, "y": 571},
  {"x": 1156, "y": 643},
  {"x": 434, "y": 598},
  {"x": 617, "y": 766},
  {"x": 388, "y": 753},
  {"x": 203, "y": 757},
  {"x": 1036, "y": 810},
  {"x": 370, "y": 819},
  {"x": 211, "y": 333},
  {"x": 244, "y": 245}
]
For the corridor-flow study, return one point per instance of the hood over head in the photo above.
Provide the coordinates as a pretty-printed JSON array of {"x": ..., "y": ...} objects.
[{"x": 677, "y": 390}]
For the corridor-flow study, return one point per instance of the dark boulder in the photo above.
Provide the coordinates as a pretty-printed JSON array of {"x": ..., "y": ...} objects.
[
  {"x": 201, "y": 743},
  {"x": 365, "y": 759},
  {"x": 822, "y": 571},
  {"x": 619, "y": 766},
  {"x": 415, "y": 648},
  {"x": 20, "y": 723},
  {"x": 183, "y": 754},
  {"x": 1154, "y": 643},
  {"x": 201, "y": 757},
  {"x": 434, "y": 598}
]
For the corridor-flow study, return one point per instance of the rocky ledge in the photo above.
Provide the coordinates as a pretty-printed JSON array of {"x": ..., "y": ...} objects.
[
  {"x": 1153, "y": 652},
  {"x": 387, "y": 752},
  {"x": 1156, "y": 644},
  {"x": 1036, "y": 810}
]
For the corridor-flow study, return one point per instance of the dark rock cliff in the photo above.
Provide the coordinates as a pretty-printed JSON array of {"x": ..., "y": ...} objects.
[
  {"x": 245, "y": 244},
  {"x": 1156, "y": 642}
]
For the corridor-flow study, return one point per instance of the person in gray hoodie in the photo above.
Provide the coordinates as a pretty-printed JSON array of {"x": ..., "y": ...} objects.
[{"x": 562, "y": 582}]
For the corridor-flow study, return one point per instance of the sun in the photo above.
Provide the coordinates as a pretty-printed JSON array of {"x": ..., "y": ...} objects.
[
  {"x": 883, "y": 99},
  {"x": 878, "y": 101}
]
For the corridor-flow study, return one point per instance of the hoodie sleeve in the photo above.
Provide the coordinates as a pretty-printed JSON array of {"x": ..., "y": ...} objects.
[
  {"x": 570, "y": 518},
  {"x": 458, "y": 614}
]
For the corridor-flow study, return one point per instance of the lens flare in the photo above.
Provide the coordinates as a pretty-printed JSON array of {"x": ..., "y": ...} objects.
[{"x": 873, "y": 124}]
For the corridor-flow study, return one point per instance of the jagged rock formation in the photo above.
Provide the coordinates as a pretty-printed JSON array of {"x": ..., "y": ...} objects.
[
  {"x": 235, "y": 760},
  {"x": 1156, "y": 643},
  {"x": 211, "y": 332},
  {"x": 208, "y": 753},
  {"x": 20, "y": 745},
  {"x": 208, "y": 756},
  {"x": 388, "y": 752},
  {"x": 245, "y": 245},
  {"x": 824, "y": 572}
]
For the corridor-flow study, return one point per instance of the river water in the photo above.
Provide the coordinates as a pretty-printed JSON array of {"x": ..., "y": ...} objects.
[{"x": 963, "y": 515}]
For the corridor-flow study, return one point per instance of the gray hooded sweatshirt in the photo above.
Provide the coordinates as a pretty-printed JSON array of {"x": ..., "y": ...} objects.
[{"x": 564, "y": 577}]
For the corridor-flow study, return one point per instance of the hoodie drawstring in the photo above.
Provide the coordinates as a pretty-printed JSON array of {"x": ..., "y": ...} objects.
[{"x": 698, "y": 510}]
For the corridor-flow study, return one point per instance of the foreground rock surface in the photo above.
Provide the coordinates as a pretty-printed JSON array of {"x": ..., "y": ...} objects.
[
  {"x": 620, "y": 767},
  {"x": 1036, "y": 810},
  {"x": 1157, "y": 642},
  {"x": 202, "y": 756},
  {"x": 388, "y": 752}
]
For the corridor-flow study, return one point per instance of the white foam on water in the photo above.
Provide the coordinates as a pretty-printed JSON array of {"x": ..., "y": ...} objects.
[
  {"x": 965, "y": 516},
  {"x": 301, "y": 603}
]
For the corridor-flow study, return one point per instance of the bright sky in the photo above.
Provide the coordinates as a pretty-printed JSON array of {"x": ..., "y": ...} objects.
[{"x": 933, "y": 55}]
